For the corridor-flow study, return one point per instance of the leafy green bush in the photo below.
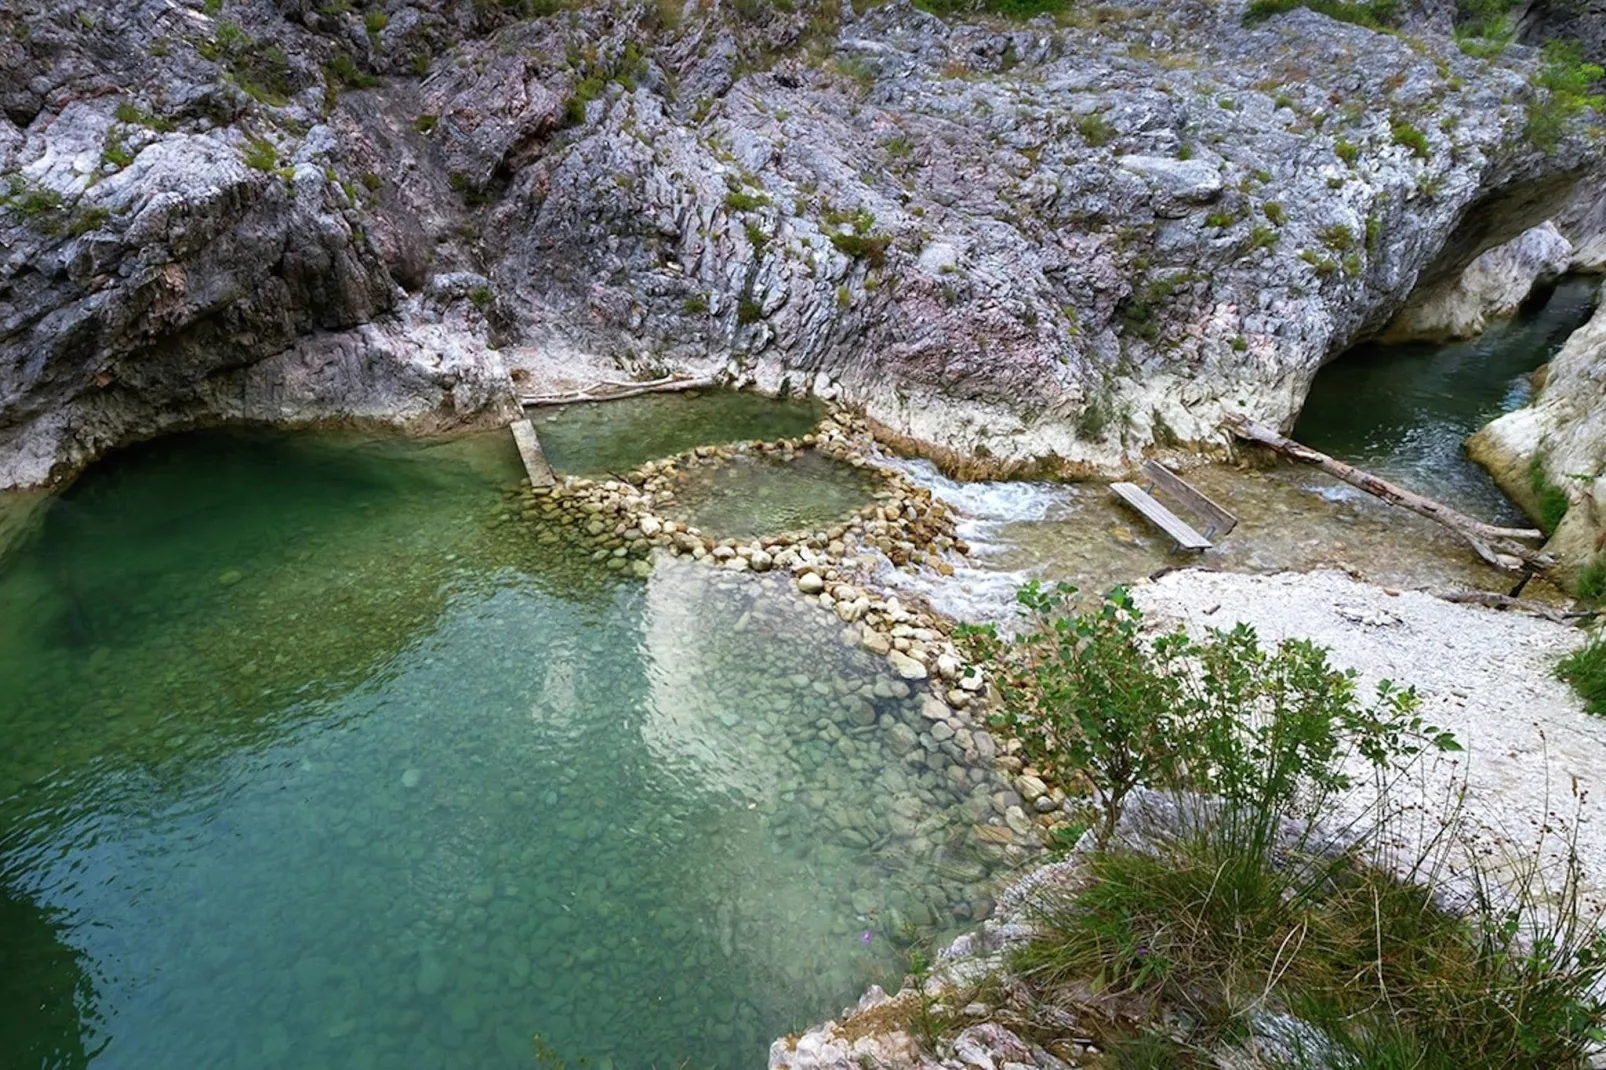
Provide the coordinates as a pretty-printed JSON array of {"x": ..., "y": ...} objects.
[
  {"x": 1564, "y": 87},
  {"x": 1347, "y": 151},
  {"x": 1089, "y": 695},
  {"x": 1585, "y": 669},
  {"x": 1275, "y": 213},
  {"x": 1235, "y": 902}
]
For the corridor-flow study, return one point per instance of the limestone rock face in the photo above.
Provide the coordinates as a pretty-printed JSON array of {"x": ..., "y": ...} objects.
[
  {"x": 1563, "y": 435},
  {"x": 1493, "y": 287},
  {"x": 1029, "y": 240},
  {"x": 1583, "y": 223}
]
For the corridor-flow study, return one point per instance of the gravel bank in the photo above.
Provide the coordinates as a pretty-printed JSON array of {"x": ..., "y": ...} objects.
[{"x": 1481, "y": 673}]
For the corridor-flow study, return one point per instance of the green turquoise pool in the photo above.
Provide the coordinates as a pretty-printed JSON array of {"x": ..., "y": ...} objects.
[
  {"x": 321, "y": 752},
  {"x": 615, "y": 436}
]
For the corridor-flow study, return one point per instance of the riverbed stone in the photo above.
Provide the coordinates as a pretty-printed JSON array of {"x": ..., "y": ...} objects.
[{"x": 905, "y": 666}]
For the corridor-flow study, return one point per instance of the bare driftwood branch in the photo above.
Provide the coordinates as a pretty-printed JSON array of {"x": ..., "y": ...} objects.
[
  {"x": 667, "y": 384},
  {"x": 1494, "y": 544},
  {"x": 1524, "y": 605}
]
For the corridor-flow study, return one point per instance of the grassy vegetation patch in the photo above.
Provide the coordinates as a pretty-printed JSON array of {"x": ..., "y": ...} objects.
[
  {"x": 1409, "y": 136},
  {"x": 1552, "y": 500},
  {"x": 261, "y": 71},
  {"x": 871, "y": 248},
  {"x": 1585, "y": 669},
  {"x": 1565, "y": 87},
  {"x": 1373, "y": 14},
  {"x": 1008, "y": 9}
]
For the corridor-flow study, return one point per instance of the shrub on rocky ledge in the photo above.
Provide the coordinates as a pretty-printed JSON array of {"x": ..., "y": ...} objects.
[
  {"x": 1263, "y": 732},
  {"x": 1242, "y": 906}
]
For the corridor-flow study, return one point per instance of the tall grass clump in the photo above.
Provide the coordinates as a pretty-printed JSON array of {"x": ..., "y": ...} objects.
[
  {"x": 1585, "y": 669},
  {"x": 1550, "y": 498},
  {"x": 1238, "y": 872},
  {"x": 1565, "y": 87}
]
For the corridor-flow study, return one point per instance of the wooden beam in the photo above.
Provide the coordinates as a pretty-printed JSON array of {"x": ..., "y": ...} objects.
[
  {"x": 1494, "y": 544},
  {"x": 1522, "y": 605},
  {"x": 626, "y": 390},
  {"x": 529, "y": 445},
  {"x": 1161, "y": 517}
]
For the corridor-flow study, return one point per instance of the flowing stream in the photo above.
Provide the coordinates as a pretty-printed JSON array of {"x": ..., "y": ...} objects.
[
  {"x": 1401, "y": 411},
  {"x": 321, "y": 753}
]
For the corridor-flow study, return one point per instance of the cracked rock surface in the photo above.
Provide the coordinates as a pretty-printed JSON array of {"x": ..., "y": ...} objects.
[{"x": 1069, "y": 240}]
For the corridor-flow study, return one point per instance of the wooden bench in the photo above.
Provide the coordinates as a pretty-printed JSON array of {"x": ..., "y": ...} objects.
[{"x": 1216, "y": 521}]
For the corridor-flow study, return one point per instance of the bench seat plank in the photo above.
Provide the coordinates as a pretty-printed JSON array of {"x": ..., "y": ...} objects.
[
  {"x": 1161, "y": 517},
  {"x": 1191, "y": 499}
]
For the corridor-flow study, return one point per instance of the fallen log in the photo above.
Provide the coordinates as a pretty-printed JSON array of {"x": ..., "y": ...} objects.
[
  {"x": 666, "y": 385},
  {"x": 1496, "y": 545},
  {"x": 1521, "y": 605}
]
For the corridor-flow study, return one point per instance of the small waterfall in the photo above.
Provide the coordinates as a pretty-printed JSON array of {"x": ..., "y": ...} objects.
[{"x": 983, "y": 590}]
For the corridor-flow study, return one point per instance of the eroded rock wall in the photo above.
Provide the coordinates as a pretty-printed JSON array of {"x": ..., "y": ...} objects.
[
  {"x": 1076, "y": 240},
  {"x": 1493, "y": 287}
]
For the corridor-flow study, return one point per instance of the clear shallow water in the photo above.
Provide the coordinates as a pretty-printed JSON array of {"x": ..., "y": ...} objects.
[
  {"x": 744, "y": 496},
  {"x": 616, "y": 436},
  {"x": 317, "y": 756},
  {"x": 1290, "y": 518},
  {"x": 1403, "y": 411}
]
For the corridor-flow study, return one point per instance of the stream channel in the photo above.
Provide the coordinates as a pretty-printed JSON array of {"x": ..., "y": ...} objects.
[
  {"x": 1400, "y": 411},
  {"x": 320, "y": 753}
]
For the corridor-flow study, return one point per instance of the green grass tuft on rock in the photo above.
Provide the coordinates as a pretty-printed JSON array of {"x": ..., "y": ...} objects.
[
  {"x": 1373, "y": 14},
  {"x": 1585, "y": 669}
]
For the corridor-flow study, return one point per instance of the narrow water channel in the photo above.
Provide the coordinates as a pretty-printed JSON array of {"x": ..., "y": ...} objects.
[
  {"x": 320, "y": 754},
  {"x": 1403, "y": 411}
]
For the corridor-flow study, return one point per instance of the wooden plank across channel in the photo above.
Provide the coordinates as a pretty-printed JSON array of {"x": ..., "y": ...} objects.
[
  {"x": 530, "y": 453},
  {"x": 1161, "y": 517},
  {"x": 1214, "y": 517}
]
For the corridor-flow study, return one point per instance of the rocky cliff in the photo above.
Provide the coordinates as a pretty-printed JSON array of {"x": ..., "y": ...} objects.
[{"x": 1073, "y": 237}]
